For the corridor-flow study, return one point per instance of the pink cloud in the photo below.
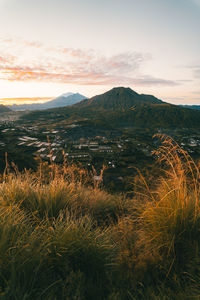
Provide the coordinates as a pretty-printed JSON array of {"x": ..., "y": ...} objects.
[
  {"x": 75, "y": 66},
  {"x": 26, "y": 74}
]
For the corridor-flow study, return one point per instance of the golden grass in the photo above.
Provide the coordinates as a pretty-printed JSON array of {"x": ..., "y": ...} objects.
[
  {"x": 169, "y": 222},
  {"x": 63, "y": 237}
]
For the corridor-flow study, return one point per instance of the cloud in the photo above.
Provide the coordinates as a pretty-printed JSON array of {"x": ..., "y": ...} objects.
[
  {"x": 81, "y": 78},
  {"x": 195, "y": 69},
  {"x": 36, "y": 62},
  {"x": 197, "y": 73},
  {"x": 6, "y": 59},
  {"x": 196, "y": 92}
]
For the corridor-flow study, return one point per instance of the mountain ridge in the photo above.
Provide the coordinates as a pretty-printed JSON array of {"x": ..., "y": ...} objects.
[
  {"x": 61, "y": 101},
  {"x": 193, "y": 106},
  {"x": 123, "y": 107},
  {"x": 120, "y": 97}
]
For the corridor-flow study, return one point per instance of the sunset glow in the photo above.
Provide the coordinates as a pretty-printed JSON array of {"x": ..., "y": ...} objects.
[
  {"x": 10, "y": 101},
  {"x": 91, "y": 47}
]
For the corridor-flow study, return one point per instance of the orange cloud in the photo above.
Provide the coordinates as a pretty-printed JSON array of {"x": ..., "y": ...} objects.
[
  {"x": 17, "y": 74},
  {"x": 75, "y": 66}
]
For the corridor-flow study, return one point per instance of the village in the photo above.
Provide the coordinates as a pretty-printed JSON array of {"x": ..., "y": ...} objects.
[{"x": 56, "y": 144}]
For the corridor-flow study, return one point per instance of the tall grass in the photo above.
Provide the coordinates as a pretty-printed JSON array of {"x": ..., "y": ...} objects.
[
  {"x": 159, "y": 240},
  {"x": 64, "y": 237},
  {"x": 170, "y": 221},
  {"x": 43, "y": 260}
]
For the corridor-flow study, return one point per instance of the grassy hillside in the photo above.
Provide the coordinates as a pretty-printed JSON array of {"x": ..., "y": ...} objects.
[{"x": 63, "y": 237}]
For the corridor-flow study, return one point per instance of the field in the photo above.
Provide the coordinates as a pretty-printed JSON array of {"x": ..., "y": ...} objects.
[{"x": 64, "y": 237}]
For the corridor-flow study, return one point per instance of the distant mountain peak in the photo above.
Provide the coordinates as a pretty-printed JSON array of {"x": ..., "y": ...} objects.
[
  {"x": 122, "y": 89},
  {"x": 120, "y": 98},
  {"x": 66, "y": 99},
  {"x": 67, "y": 94},
  {"x": 124, "y": 108},
  {"x": 70, "y": 94}
]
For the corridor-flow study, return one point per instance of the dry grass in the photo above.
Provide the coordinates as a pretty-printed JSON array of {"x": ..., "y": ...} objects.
[
  {"x": 170, "y": 221},
  {"x": 63, "y": 237}
]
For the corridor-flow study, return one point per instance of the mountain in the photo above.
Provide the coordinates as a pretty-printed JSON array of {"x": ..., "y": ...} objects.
[
  {"x": 4, "y": 109},
  {"x": 122, "y": 108},
  {"x": 119, "y": 98},
  {"x": 191, "y": 106},
  {"x": 63, "y": 100},
  {"x": 66, "y": 94}
]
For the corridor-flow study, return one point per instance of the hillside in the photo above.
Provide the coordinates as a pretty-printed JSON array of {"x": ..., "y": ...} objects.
[
  {"x": 63, "y": 100},
  {"x": 191, "y": 106},
  {"x": 64, "y": 237},
  {"x": 119, "y": 99},
  {"x": 122, "y": 107}
]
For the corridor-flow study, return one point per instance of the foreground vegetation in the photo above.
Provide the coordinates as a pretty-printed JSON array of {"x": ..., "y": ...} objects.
[{"x": 63, "y": 237}]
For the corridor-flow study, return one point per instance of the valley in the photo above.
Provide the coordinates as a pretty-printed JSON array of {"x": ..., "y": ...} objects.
[
  {"x": 89, "y": 143},
  {"x": 113, "y": 131}
]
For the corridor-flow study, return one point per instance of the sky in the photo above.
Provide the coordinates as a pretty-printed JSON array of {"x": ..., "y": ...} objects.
[{"x": 50, "y": 47}]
